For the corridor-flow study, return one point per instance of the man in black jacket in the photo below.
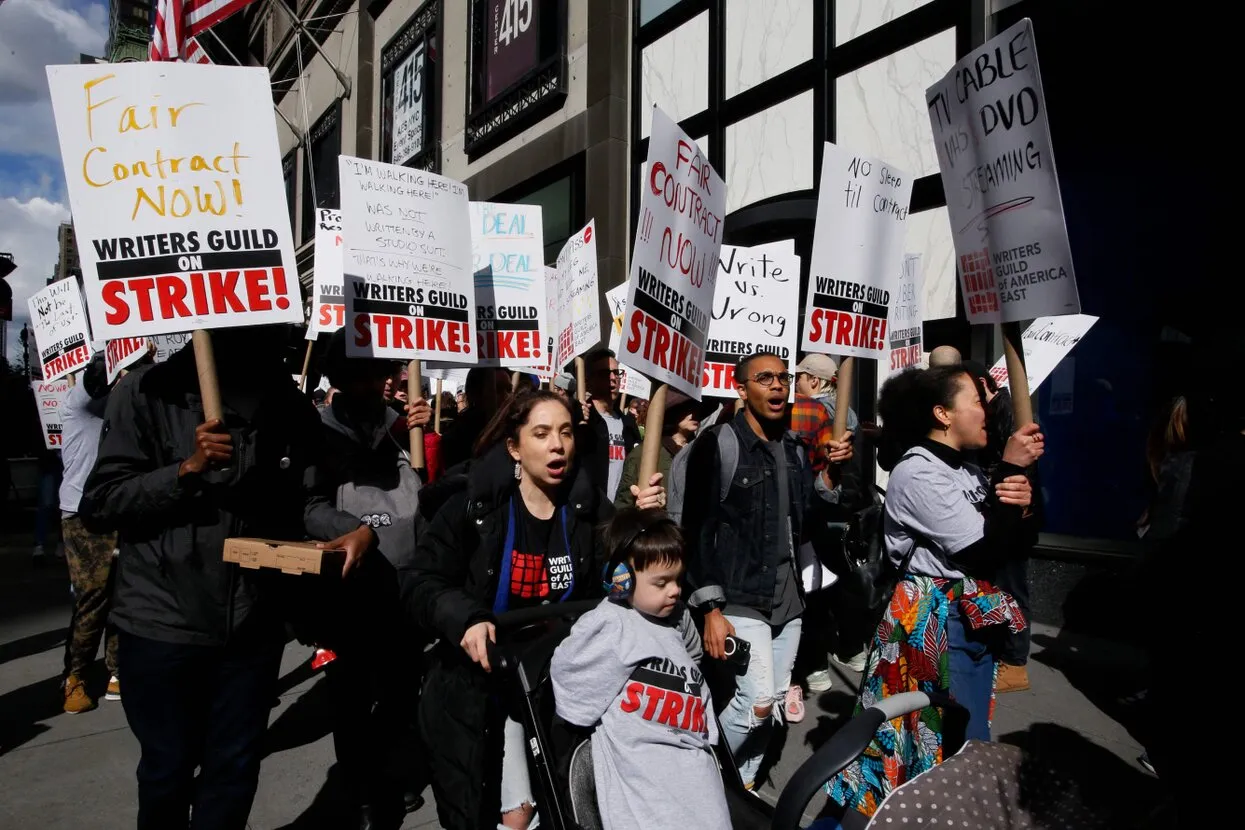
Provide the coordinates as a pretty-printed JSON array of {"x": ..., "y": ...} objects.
[
  {"x": 607, "y": 434},
  {"x": 202, "y": 639}
]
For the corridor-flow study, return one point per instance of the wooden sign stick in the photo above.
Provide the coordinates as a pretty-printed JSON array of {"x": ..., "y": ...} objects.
[
  {"x": 302, "y": 381},
  {"x": 652, "y": 434},
  {"x": 436, "y": 415},
  {"x": 414, "y": 385},
  {"x": 843, "y": 396},
  {"x": 1017, "y": 376}
]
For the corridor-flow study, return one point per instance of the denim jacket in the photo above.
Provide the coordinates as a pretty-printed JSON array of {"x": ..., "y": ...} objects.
[{"x": 736, "y": 545}]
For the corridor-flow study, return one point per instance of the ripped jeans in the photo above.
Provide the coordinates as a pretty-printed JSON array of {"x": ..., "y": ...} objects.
[{"x": 763, "y": 686}]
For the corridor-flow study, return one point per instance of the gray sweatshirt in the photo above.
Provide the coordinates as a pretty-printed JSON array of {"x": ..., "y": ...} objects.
[{"x": 637, "y": 682}]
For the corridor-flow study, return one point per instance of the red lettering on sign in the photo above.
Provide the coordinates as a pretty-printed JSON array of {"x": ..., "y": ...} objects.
[
  {"x": 719, "y": 376},
  {"x": 663, "y": 347},
  {"x": 332, "y": 314},
  {"x": 66, "y": 362},
  {"x": 840, "y": 328},
  {"x": 165, "y": 297},
  {"x": 411, "y": 333}
]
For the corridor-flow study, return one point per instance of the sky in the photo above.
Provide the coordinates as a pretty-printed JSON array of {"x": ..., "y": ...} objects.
[{"x": 34, "y": 33}]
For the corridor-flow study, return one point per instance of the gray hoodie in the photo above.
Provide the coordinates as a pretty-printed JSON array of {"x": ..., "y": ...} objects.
[{"x": 637, "y": 682}]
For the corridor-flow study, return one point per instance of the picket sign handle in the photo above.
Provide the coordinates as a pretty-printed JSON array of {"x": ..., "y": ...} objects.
[
  {"x": 209, "y": 386},
  {"x": 843, "y": 396},
  {"x": 414, "y": 384},
  {"x": 652, "y": 435},
  {"x": 302, "y": 381},
  {"x": 581, "y": 388},
  {"x": 436, "y": 416},
  {"x": 73, "y": 380},
  {"x": 1017, "y": 375},
  {"x": 514, "y": 381}
]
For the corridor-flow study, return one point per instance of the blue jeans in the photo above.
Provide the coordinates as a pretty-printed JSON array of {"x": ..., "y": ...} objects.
[
  {"x": 763, "y": 685},
  {"x": 972, "y": 672}
]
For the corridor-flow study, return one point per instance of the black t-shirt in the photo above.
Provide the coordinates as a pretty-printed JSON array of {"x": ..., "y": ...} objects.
[{"x": 540, "y": 567}]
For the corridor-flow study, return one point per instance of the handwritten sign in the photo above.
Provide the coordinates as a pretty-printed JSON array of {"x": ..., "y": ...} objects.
[
  {"x": 60, "y": 327},
  {"x": 508, "y": 261},
  {"x": 1047, "y": 341},
  {"x": 578, "y": 320},
  {"x": 754, "y": 308},
  {"x": 328, "y": 308},
  {"x": 409, "y": 290},
  {"x": 862, "y": 213},
  {"x": 49, "y": 397},
  {"x": 174, "y": 178},
  {"x": 553, "y": 288},
  {"x": 906, "y": 315},
  {"x": 633, "y": 383},
  {"x": 998, "y": 171},
  {"x": 674, "y": 263},
  {"x": 168, "y": 344},
  {"x": 123, "y": 353}
]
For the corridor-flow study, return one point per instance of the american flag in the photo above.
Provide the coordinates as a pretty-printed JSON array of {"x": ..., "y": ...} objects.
[{"x": 175, "y": 23}]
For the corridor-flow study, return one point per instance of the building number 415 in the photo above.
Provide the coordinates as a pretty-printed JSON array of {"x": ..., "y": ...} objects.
[{"x": 516, "y": 18}]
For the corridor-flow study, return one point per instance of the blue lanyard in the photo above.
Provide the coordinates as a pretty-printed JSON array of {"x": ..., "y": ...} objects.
[{"x": 501, "y": 601}]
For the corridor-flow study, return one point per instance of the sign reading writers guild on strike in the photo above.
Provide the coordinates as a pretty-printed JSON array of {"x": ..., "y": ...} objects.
[
  {"x": 123, "y": 353},
  {"x": 50, "y": 398},
  {"x": 408, "y": 285},
  {"x": 674, "y": 267},
  {"x": 328, "y": 308},
  {"x": 862, "y": 213},
  {"x": 61, "y": 331},
  {"x": 906, "y": 316},
  {"x": 998, "y": 171},
  {"x": 174, "y": 179}
]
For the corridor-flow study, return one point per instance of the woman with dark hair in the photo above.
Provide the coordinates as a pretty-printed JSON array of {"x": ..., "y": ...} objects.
[
  {"x": 521, "y": 533},
  {"x": 946, "y": 525}
]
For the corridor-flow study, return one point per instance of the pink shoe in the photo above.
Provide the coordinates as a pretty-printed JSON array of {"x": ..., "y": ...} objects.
[{"x": 793, "y": 706}]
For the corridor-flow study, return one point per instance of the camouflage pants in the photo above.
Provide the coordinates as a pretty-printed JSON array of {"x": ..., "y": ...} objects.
[{"x": 90, "y": 570}]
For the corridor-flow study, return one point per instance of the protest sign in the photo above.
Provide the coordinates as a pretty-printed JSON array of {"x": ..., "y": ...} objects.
[
  {"x": 862, "y": 213},
  {"x": 905, "y": 320},
  {"x": 1047, "y": 341},
  {"x": 508, "y": 262},
  {"x": 632, "y": 383},
  {"x": 578, "y": 320},
  {"x": 674, "y": 263},
  {"x": 408, "y": 280},
  {"x": 998, "y": 172},
  {"x": 123, "y": 353},
  {"x": 60, "y": 328},
  {"x": 174, "y": 179},
  {"x": 754, "y": 308},
  {"x": 328, "y": 309},
  {"x": 553, "y": 287},
  {"x": 49, "y": 397},
  {"x": 167, "y": 344}
]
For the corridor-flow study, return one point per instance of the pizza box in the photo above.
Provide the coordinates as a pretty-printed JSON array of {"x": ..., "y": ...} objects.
[{"x": 287, "y": 557}]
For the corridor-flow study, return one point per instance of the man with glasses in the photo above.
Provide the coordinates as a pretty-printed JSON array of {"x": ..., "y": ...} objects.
[
  {"x": 606, "y": 434},
  {"x": 741, "y": 548}
]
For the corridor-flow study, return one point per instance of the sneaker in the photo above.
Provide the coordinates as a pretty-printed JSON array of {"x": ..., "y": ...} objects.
[
  {"x": 114, "y": 689},
  {"x": 76, "y": 698},
  {"x": 819, "y": 681},
  {"x": 1011, "y": 679},
  {"x": 855, "y": 663},
  {"x": 793, "y": 706}
]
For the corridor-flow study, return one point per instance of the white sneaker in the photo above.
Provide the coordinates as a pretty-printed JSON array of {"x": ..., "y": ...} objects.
[
  {"x": 856, "y": 663},
  {"x": 819, "y": 681}
]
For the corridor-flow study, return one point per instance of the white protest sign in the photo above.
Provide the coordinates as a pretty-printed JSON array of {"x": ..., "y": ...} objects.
[
  {"x": 906, "y": 315},
  {"x": 167, "y": 344},
  {"x": 328, "y": 309},
  {"x": 553, "y": 289},
  {"x": 862, "y": 213},
  {"x": 632, "y": 383},
  {"x": 409, "y": 290},
  {"x": 998, "y": 171},
  {"x": 674, "y": 266},
  {"x": 578, "y": 321},
  {"x": 123, "y": 353},
  {"x": 174, "y": 179},
  {"x": 754, "y": 309},
  {"x": 1047, "y": 341},
  {"x": 508, "y": 261},
  {"x": 60, "y": 327},
  {"x": 49, "y": 397},
  {"x": 408, "y": 106}
]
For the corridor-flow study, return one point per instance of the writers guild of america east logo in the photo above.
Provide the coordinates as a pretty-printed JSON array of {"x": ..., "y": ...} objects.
[{"x": 374, "y": 520}]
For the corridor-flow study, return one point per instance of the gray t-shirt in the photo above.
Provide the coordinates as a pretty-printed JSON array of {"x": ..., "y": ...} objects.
[
  {"x": 929, "y": 499},
  {"x": 637, "y": 682},
  {"x": 617, "y": 453},
  {"x": 81, "y": 423}
]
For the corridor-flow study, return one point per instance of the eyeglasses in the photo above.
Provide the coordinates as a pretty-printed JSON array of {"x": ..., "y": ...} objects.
[
  {"x": 611, "y": 372},
  {"x": 768, "y": 378}
]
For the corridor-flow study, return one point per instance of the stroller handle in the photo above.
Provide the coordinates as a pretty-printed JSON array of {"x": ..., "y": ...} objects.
[{"x": 501, "y": 656}]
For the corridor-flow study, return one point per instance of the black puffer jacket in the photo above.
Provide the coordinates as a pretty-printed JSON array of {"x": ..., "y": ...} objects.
[{"x": 448, "y": 588}]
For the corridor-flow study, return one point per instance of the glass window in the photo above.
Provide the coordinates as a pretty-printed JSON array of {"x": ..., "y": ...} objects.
[
  {"x": 765, "y": 39},
  {"x": 852, "y": 18},
  {"x": 289, "y": 168},
  {"x": 770, "y": 152},
  {"x": 674, "y": 73},
  {"x": 880, "y": 108},
  {"x": 651, "y": 8},
  {"x": 555, "y": 200},
  {"x": 320, "y": 167}
]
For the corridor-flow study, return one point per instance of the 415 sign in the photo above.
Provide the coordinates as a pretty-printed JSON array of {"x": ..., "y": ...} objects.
[
  {"x": 408, "y": 106},
  {"x": 516, "y": 18},
  {"x": 513, "y": 41}
]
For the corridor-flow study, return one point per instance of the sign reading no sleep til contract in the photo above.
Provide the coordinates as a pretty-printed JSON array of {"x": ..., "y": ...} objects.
[{"x": 174, "y": 179}]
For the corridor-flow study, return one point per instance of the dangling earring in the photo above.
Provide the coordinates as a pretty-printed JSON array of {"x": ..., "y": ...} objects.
[{"x": 518, "y": 472}]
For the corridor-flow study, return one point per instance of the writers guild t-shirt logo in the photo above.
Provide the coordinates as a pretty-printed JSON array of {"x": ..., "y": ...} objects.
[
  {"x": 536, "y": 576},
  {"x": 975, "y": 495},
  {"x": 663, "y": 692}
]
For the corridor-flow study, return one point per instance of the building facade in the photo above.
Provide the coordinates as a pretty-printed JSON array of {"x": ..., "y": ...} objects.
[{"x": 67, "y": 263}]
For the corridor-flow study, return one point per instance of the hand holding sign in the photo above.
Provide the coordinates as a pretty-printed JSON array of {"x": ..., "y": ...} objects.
[{"x": 213, "y": 449}]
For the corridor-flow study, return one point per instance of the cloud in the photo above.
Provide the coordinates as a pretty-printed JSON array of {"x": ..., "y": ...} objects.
[{"x": 28, "y": 232}]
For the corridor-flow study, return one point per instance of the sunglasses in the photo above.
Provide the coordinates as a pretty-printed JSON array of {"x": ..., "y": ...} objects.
[
  {"x": 768, "y": 378},
  {"x": 612, "y": 372}
]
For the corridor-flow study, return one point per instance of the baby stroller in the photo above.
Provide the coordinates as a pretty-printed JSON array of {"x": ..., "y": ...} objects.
[{"x": 560, "y": 754}]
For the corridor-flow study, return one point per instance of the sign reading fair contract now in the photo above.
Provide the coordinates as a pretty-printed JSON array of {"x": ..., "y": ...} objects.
[
  {"x": 174, "y": 179},
  {"x": 61, "y": 331},
  {"x": 674, "y": 268},
  {"x": 409, "y": 289}
]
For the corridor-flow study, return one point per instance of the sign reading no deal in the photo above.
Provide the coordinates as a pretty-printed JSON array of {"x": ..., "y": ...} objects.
[
  {"x": 408, "y": 282},
  {"x": 862, "y": 213},
  {"x": 674, "y": 267},
  {"x": 1047, "y": 341},
  {"x": 754, "y": 308},
  {"x": 62, "y": 335},
  {"x": 998, "y": 171},
  {"x": 49, "y": 398},
  {"x": 578, "y": 320},
  {"x": 633, "y": 383},
  {"x": 328, "y": 309},
  {"x": 508, "y": 262},
  {"x": 174, "y": 179},
  {"x": 906, "y": 315}
]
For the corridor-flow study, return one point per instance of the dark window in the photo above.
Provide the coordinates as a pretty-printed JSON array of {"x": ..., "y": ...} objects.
[
  {"x": 559, "y": 192},
  {"x": 289, "y": 171},
  {"x": 320, "y": 167},
  {"x": 410, "y": 84}
]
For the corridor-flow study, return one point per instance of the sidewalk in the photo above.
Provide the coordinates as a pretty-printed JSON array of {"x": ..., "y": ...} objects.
[{"x": 60, "y": 770}]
